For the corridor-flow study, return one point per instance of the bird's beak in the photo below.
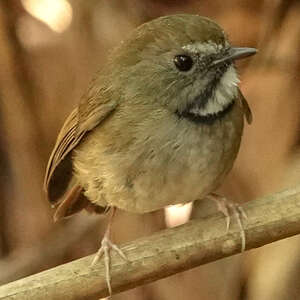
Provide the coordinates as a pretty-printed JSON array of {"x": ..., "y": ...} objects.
[{"x": 235, "y": 53}]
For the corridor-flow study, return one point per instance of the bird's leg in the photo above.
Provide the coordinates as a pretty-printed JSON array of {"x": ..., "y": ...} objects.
[
  {"x": 225, "y": 206},
  {"x": 106, "y": 246}
]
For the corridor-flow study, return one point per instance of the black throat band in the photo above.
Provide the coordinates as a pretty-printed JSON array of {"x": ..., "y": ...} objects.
[{"x": 207, "y": 119}]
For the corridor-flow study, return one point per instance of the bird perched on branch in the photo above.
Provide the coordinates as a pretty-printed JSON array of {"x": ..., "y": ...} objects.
[{"x": 160, "y": 124}]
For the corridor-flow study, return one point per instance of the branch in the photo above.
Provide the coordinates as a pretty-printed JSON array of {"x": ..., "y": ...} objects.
[{"x": 165, "y": 253}]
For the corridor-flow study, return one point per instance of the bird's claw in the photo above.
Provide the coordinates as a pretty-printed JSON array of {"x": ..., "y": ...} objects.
[
  {"x": 104, "y": 250},
  {"x": 226, "y": 206}
]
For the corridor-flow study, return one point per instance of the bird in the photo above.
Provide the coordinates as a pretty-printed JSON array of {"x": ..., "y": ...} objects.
[{"x": 160, "y": 124}]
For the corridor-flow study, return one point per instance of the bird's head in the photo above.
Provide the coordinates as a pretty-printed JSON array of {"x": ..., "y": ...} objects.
[{"x": 183, "y": 62}]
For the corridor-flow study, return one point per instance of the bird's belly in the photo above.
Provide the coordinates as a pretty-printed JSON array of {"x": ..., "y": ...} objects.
[
  {"x": 177, "y": 183},
  {"x": 190, "y": 174}
]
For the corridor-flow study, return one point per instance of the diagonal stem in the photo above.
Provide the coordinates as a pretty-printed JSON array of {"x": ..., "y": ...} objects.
[{"x": 166, "y": 252}]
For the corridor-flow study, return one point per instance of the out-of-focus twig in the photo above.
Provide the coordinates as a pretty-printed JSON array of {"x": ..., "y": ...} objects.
[
  {"x": 275, "y": 14},
  {"x": 165, "y": 253},
  {"x": 49, "y": 251},
  {"x": 21, "y": 135}
]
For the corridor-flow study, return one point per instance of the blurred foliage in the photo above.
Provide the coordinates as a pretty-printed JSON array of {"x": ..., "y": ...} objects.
[{"x": 43, "y": 73}]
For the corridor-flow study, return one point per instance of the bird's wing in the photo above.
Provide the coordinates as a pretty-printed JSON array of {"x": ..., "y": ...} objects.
[
  {"x": 245, "y": 106},
  {"x": 81, "y": 120}
]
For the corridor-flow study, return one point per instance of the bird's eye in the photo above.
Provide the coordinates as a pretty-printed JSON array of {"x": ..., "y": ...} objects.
[{"x": 183, "y": 62}]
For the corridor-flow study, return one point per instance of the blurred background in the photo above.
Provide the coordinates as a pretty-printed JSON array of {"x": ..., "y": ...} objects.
[{"x": 49, "y": 51}]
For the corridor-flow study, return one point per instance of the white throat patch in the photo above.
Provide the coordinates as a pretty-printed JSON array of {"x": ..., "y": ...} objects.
[{"x": 226, "y": 91}]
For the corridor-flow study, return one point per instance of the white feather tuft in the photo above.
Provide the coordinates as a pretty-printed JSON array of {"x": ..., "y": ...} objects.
[{"x": 225, "y": 92}]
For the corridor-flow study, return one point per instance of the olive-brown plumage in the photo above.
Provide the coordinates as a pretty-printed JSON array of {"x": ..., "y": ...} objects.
[
  {"x": 160, "y": 124},
  {"x": 128, "y": 144}
]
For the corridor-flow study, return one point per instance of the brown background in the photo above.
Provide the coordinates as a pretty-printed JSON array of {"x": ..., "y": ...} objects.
[{"x": 42, "y": 76}]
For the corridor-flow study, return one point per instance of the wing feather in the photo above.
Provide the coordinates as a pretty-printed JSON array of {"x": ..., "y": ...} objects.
[
  {"x": 245, "y": 106},
  {"x": 59, "y": 169}
]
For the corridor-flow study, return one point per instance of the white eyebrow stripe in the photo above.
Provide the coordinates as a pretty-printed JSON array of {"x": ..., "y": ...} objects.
[{"x": 209, "y": 47}]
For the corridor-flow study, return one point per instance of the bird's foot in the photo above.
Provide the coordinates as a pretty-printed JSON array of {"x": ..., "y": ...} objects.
[
  {"x": 104, "y": 250},
  {"x": 226, "y": 206}
]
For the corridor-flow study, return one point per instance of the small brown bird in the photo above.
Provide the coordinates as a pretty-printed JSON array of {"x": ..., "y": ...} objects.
[{"x": 161, "y": 124}]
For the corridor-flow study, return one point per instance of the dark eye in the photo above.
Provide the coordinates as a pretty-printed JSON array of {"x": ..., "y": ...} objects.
[{"x": 183, "y": 62}]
